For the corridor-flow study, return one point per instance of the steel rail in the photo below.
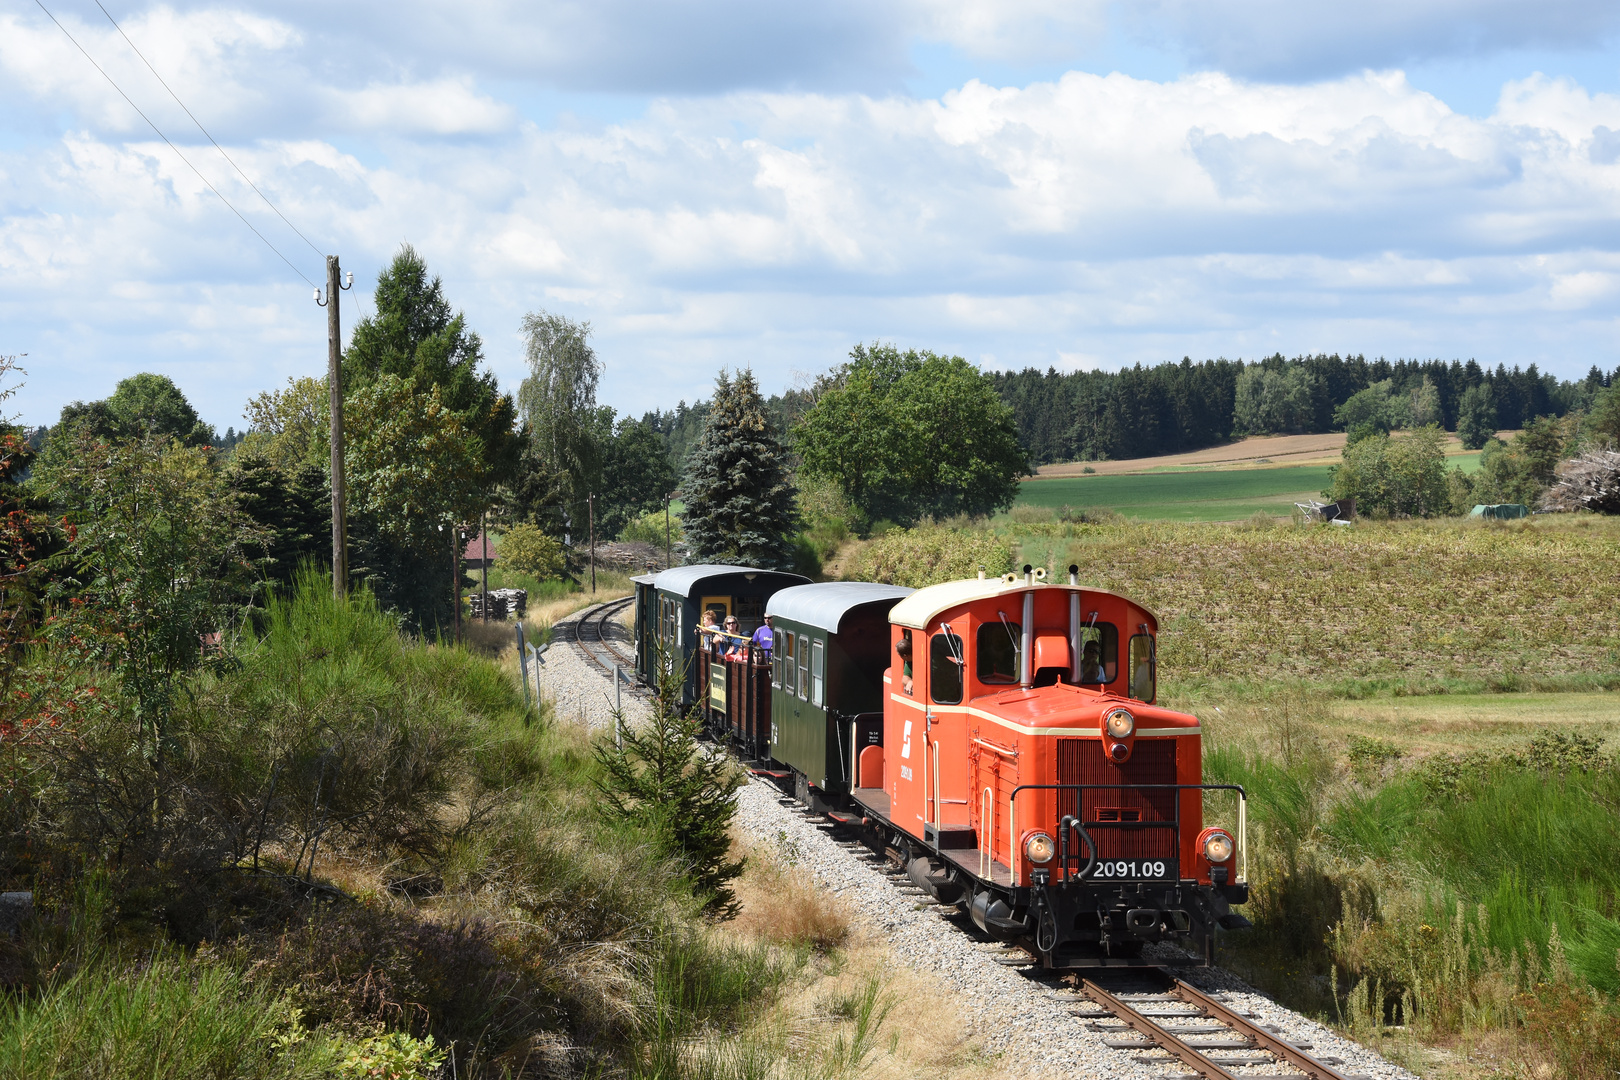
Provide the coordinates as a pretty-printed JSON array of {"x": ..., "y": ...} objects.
[
  {"x": 1189, "y": 1054},
  {"x": 1263, "y": 1039},
  {"x": 593, "y": 620}
]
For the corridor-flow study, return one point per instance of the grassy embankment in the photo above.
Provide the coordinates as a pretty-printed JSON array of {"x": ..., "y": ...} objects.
[
  {"x": 1424, "y": 714},
  {"x": 361, "y": 854}
]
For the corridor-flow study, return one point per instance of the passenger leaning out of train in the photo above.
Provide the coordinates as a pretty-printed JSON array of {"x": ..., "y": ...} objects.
[
  {"x": 904, "y": 649},
  {"x": 1091, "y": 669},
  {"x": 736, "y": 644},
  {"x": 708, "y": 633},
  {"x": 765, "y": 637}
]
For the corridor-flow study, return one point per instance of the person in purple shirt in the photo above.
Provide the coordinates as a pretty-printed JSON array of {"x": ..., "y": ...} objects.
[{"x": 765, "y": 638}]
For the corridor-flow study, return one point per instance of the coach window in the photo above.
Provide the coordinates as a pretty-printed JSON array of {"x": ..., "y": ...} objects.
[
  {"x": 1143, "y": 662},
  {"x": 789, "y": 660},
  {"x": 776, "y": 657},
  {"x": 804, "y": 667},
  {"x": 998, "y": 652},
  {"x": 945, "y": 668},
  {"x": 818, "y": 661}
]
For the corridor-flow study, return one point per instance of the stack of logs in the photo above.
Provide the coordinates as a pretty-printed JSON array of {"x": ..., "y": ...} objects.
[{"x": 502, "y": 602}]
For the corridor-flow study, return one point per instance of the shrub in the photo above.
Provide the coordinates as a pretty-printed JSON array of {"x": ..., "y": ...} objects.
[
  {"x": 528, "y": 550},
  {"x": 1401, "y": 477},
  {"x": 649, "y": 529}
]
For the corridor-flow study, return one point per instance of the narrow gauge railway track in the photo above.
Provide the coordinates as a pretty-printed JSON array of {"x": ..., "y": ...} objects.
[
  {"x": 1164, "y": 1023},
  {"x": 591, "y": 636},
  {"x": 1172, "y": 1023}
]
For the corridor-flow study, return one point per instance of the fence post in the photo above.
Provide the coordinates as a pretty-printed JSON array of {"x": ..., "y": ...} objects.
[
  {"x": 618, "y": 708},
  {"x": 523, "y": 664}
]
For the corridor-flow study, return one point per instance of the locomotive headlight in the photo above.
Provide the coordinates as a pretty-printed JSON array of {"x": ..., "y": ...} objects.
[
  {"x": 1218, "y": 847},
  {"x": 1120, "y": 724},
  {"x": 1040, "y": 848}
]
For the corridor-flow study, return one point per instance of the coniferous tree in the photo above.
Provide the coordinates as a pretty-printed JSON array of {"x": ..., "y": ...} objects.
[
  {"x": 664, "y": 780},
  {"x": 739, "y": 502}
]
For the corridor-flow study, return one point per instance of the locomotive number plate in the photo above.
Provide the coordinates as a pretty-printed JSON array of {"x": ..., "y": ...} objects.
[{"x": 1134, "y": 870}]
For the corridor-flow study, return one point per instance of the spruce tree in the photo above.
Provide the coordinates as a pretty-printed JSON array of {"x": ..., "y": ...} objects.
[
  {"x": 739, "y": 501},
  {"x": 664, "y": 780}
]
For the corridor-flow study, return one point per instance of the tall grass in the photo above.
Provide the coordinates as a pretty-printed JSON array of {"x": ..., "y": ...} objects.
[{"x": 165, "y": 1018}]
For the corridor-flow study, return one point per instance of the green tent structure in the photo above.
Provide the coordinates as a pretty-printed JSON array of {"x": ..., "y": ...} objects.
[{"x": 1500, "y": 511}]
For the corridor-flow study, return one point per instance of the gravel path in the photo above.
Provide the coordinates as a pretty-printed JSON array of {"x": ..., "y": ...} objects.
[{"x": 1019, "y": 1012}]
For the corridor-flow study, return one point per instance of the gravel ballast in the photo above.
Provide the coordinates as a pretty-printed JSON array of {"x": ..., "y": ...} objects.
[{"x": 1018, "y": 1012}]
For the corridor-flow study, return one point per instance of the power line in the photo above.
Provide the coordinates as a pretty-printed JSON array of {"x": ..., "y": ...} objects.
[
  {"x": 204, "y": 130},
  {"x": 173, "y": 147}
]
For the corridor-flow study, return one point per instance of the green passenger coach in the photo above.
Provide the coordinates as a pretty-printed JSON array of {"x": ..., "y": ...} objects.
[
  {"x": 831, "y": 646},
  {"x": 670, "y": 606}
]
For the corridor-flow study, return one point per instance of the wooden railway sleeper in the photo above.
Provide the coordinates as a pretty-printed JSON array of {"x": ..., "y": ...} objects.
[
  {"x": 1189, "y": 1055},
  {"x": 1264, "y": 1039}
]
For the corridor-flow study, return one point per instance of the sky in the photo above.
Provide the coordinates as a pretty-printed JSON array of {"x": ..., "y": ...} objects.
[{"x": 741, "y": 183}]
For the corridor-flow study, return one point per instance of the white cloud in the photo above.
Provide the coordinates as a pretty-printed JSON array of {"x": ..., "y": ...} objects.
[{"x": 1094, "y": 220}]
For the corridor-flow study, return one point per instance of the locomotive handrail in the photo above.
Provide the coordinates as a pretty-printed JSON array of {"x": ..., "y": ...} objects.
[{"x": 1242, "y": 826}]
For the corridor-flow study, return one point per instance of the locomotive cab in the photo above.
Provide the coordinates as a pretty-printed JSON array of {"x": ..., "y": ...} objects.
[{"x": 1026, "y": 769}]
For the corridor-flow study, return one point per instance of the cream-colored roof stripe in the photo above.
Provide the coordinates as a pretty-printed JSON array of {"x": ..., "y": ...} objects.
[{"x": 919, "y": 609}]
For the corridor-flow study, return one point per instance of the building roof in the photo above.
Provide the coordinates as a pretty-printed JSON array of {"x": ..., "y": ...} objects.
[
  {"x": 685, "y": 579},
  {"x": 476, "y": 548},
  {"x": 918, "y": 609},
  {"x": 825, "y": 605}
]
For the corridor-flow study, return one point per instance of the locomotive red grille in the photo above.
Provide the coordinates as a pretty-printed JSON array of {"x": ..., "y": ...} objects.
[{"x": 1125, "y": 815}]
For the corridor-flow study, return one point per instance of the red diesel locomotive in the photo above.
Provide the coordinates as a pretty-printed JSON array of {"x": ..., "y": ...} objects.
[{"x": 1001, "y": 736}]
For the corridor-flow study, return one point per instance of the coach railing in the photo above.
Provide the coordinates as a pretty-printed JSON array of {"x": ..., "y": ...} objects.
[{"x": 1016, "y": 856}]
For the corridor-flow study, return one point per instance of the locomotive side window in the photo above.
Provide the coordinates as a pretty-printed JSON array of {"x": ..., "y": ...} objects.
[
  {"x": 1099, "y": 654},
  {"x": 804, "y": 668},
  {"x": 788, "y": 661},
  {"x": 1143, "y": 661},
  {"x": 999, "y": 644},
  {"x": 817, "y": 672},
  {"x": 945, "y": 668}
]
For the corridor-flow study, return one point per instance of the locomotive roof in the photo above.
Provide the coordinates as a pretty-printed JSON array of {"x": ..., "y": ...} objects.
[
  {"x": 685, "y": 579},
  {"x": 824, "y": 605},
  {"x": 918, "y": 609}
]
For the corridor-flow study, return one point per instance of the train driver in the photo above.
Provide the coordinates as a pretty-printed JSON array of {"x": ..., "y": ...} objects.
[
  {"x": 904, "y": 650},
  {"x": 1091, "y": 669}
]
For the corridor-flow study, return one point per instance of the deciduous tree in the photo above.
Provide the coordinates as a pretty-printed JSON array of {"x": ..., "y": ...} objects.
[{"x": 913, "y": 434}]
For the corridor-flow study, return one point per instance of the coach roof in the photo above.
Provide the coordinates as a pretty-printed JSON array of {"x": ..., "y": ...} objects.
[
  {"x": 824, "y": 606},
  {"x": 685, "y": 580}
]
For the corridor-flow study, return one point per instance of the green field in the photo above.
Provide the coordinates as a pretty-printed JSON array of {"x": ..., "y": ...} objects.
[{"x": 1204, "y": 495}]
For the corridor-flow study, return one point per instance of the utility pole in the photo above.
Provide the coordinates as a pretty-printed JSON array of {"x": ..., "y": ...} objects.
[
  {"x": 456, "y": 537},
  {"x": 669, "y": 559},
  {"x": 483, "y": 536},
  {"x": 334, "y": 383},
  {"x": 590, "y": 510}
]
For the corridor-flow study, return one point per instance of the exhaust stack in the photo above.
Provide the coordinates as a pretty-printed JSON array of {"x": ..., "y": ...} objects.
[
  {"x": 1026, "y": 657},
  {"x": 1074, "y": 626}
]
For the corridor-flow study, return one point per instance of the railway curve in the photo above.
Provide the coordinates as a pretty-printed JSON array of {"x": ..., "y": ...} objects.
[{"x": 1144, "y": 1024}]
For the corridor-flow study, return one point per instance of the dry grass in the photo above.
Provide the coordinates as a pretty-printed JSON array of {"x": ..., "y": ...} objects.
[
  {"x": 1393, "y": 607},
  {"x": 781, "y": 905},
  {"x": 855, "y": 1009}
]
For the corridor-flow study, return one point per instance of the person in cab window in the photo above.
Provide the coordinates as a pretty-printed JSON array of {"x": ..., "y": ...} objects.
[
  {"x": 904, "y": 651},
  {"x": 765, "y": 637},
  {"x": 1091, "y": 669},
  {"x": 1142, "y": 681}
]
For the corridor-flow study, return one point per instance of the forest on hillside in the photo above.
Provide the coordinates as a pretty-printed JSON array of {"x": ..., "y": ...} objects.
[{"x": 1171, "y": 408}]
